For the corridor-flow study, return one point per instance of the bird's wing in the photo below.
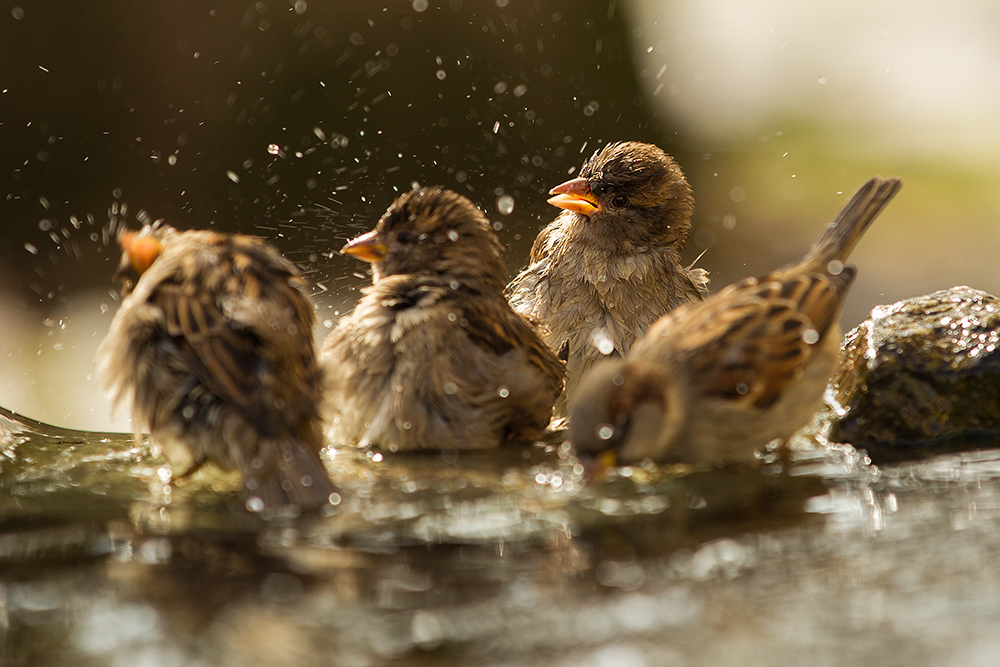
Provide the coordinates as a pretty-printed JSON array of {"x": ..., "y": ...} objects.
[
  {"x": 761, "y": 338},
  {"x": 494, "y": 327},
  {"x": 213, "y": 319}
]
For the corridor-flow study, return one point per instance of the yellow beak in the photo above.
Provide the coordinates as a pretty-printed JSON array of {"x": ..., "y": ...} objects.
[
  {"x": 575, "y": 195},
  {"x": 366, "y": 247},
  {"x": 142, "y": 251}
]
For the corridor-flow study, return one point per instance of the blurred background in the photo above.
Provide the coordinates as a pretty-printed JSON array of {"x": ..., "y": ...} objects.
[{"x": 301, "y": 121}]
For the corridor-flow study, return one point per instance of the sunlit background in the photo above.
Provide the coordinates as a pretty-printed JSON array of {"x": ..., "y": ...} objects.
[{"x": 301, "y": 121}]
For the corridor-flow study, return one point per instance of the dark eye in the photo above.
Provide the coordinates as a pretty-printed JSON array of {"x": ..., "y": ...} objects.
[
  {"x": 619, "y": 201},
  {"x": 406, "y": 237}
]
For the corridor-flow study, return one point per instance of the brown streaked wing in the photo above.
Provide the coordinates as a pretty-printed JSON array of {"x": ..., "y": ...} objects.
[
  {"x": 221, "y": 357},
  {"x": 494, "y": 327},
  {"x": 753, "y": 349}
]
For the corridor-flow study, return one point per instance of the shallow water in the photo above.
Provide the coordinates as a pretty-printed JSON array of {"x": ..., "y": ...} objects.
[{"x": 503, "y": 558}]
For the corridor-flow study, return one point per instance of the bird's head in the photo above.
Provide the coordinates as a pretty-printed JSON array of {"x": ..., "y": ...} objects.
[
  {"x": 620, "y": 414},
  {"x": 630, "y": 191},
  {"x": 434, "y": 231},
  {"x": 139, "y": 250}
]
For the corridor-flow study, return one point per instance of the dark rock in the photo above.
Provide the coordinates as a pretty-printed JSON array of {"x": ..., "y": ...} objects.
[{"x": 921, "y": 370}]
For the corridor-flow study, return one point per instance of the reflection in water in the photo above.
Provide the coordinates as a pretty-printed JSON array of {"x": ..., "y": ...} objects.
[{"x": 496, "y": 558}]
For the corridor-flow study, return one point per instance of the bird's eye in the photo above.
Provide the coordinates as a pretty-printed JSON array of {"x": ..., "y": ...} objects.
[
  {"x": 406, "y": 237},
  {"x": 619, "y": 201}
]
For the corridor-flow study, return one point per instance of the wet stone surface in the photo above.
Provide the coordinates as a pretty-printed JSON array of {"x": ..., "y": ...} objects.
[
  {"x": 924, "y": 369},
  {"x": 502, "y": 558}
]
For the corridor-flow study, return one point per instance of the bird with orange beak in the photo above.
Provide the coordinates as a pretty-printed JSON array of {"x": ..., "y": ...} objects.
[
  {"x": 212, "y": 353},
  {"x": 433, "y": 356},
  {"x": 610, "y": 264}
]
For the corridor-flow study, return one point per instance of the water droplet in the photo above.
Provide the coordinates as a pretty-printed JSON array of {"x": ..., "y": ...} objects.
[
  {"x": 505, "y": 204},
  {"x": 810, "y": 336},
  {"x": 441, "y": 74},
  {"x": 31, "y": 248},
  {"x": 835, "y": 267},
  {"x": 233, "y": 176},
  {"x": 821, "y": 80},
  {"x": 255, "y": 504},
  {"x": 426, "y": 630},
  {"x": 273, "y": 149},
  {"x": 605, "y": 431},
  {"x": 602, "y": 341},
  {"x": 503, "y": 392},
  {"x": 419, "y": 5},
  {"x": 452, "y": 235}
]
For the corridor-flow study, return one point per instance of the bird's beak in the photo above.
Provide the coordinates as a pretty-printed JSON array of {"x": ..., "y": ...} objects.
[
  {"x": 142, "y": 250},
  {"x": 575, "y": 195},
  {"x": 366, "y": 247},
  {"x": 596, "y": 467}
]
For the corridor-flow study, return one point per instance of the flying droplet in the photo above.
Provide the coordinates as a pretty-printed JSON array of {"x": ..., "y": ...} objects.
[{"x": 505, "y": 204}]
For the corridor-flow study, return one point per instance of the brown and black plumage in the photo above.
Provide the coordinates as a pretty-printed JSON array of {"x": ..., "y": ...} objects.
[
  {"x": 714, "y": 381},
  {"x": 212, "y": 351},
  {"x": 433, "y": 357},
  {"x": 610, "y": 264}
]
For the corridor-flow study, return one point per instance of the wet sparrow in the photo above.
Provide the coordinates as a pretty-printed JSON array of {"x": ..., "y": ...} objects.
[
  {"x": 610, "y": 264},
  {"x": 433, "y": 357},
  {"x": 212, "y": 351},
  {"x": 714, "y": 381}
]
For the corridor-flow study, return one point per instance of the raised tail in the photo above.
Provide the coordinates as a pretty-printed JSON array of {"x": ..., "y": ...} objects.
[
  {"x": 846, "y": 230},
  {"x": 296, "y": 477}
]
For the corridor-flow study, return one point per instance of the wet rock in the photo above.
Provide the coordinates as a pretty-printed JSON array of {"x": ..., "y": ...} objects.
[{"x": 921, "y": 370}]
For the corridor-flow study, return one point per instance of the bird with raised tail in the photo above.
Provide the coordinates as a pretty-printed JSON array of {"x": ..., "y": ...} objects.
[
  {"x": 433, "y": 356},
  {"x": 713, "y": 382},
  {"x": 212, "y": 352},
  {"x": 610, "y": 263}
]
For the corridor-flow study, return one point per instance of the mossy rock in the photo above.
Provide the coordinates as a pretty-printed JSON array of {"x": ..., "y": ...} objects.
[{"x": 921, "y": 370}]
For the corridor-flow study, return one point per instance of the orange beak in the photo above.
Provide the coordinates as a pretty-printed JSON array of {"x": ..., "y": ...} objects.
[
  {"x": 142, "y": 251},
  {"x": 596, "y": 467},
  {"x": 575, "y": 195},
  {"x": 366, "y": 247}
]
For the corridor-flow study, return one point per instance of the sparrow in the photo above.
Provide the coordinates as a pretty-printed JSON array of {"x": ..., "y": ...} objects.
[
  {"x": 433, "y": 356},
  {"x": 609, "y": 265},
  {"x": 714, "y": 381},
  {"x": 212, "y": 352}
]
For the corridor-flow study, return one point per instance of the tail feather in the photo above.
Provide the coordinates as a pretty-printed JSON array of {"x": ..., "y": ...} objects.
[
  {"x": 297, "y": 477},
  {"x": 846, "y": 230}
]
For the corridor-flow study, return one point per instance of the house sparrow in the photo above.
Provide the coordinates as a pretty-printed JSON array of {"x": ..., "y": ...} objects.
[
  {"x": 713, "y": 381},
  {"x": 610, "y": 265},
  {"x": 212, "y": 351},
  {"x": 433, "y": 357}
]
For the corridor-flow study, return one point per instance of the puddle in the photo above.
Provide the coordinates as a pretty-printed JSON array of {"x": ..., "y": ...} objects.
[{"x": 499, "y": 558}]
